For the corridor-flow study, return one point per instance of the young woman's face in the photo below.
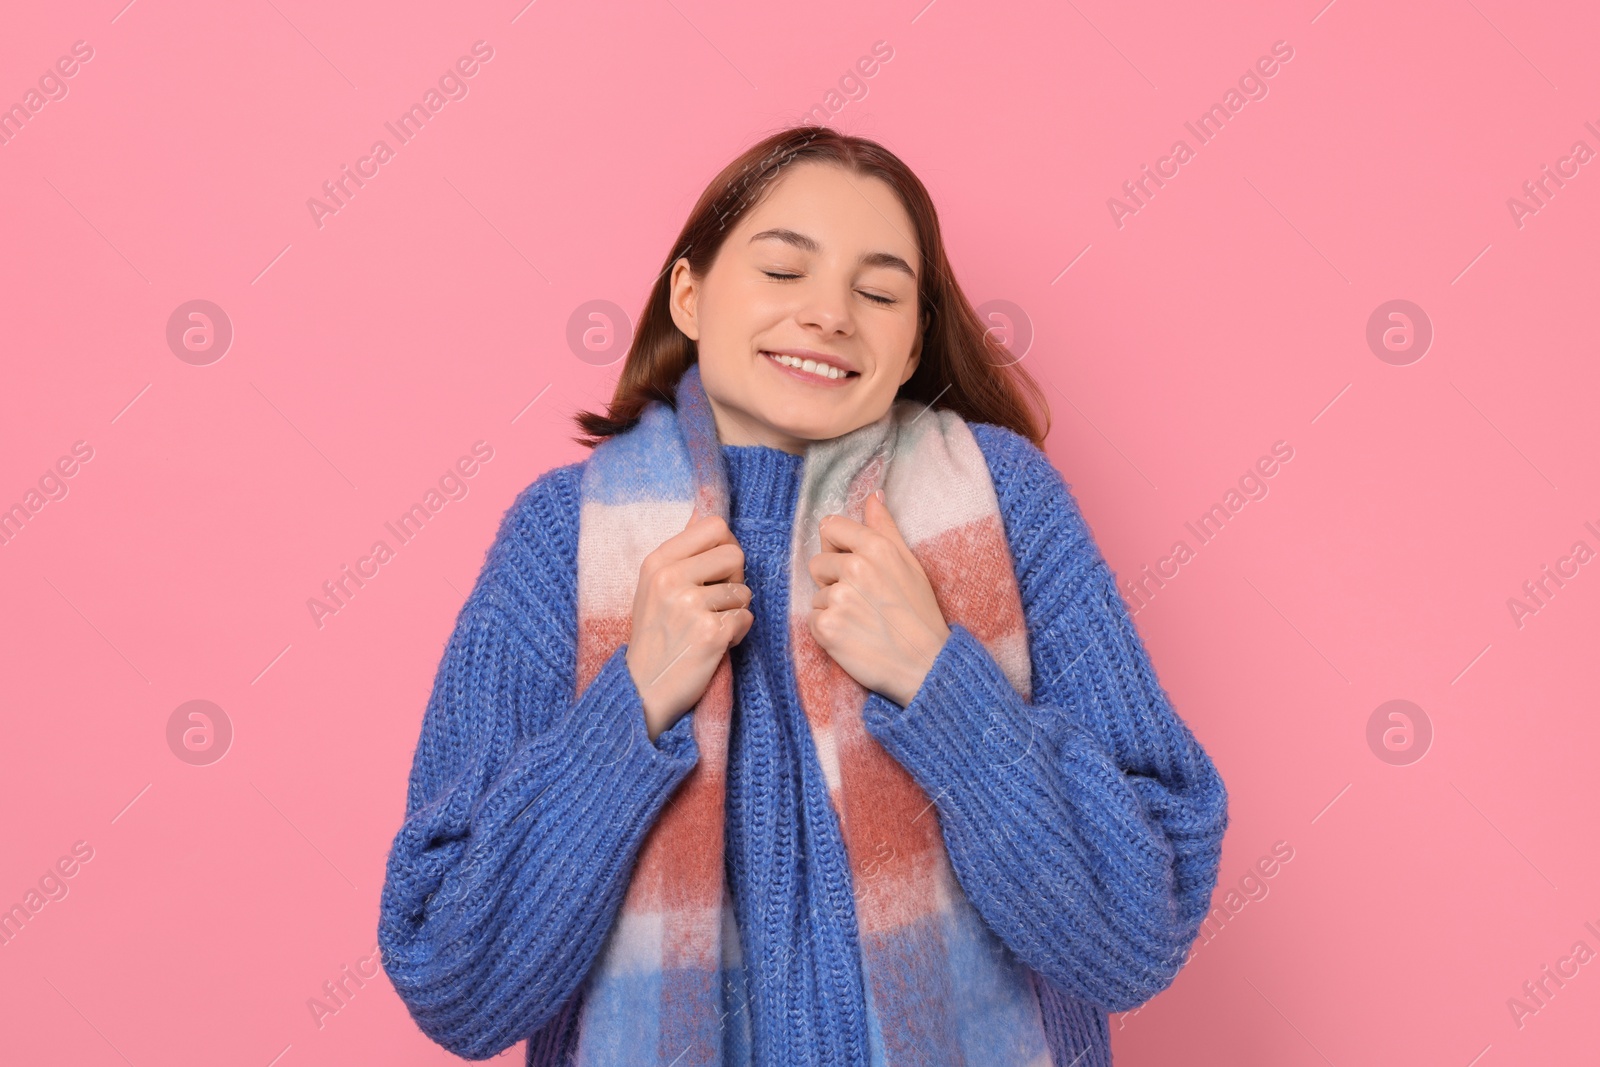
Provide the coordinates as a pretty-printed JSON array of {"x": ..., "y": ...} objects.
[{"x": 825, "y": 269}]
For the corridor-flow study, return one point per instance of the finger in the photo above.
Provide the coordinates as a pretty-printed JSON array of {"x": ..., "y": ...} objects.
[
  {"x": 700, "y": 533},
  {"x": 720, "y": 563},
  {"x": 841, "y": 532},
  {"x": 828, "y": 567},
  {"x": 880, "y": 544},
  {"x": 712, "y": 531},
  {"x": 743, "y": 620},
  {"x": 880, "y": 521},
  {"x": 725, "y": 596},
  {"x": 731, "y": 625}
]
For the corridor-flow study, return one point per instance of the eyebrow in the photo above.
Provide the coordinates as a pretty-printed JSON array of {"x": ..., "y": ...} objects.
[{"x": 806, "y": 244}]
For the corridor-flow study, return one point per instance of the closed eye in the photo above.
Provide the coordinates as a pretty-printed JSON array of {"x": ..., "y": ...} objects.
[{"x": 875, "y": 298}]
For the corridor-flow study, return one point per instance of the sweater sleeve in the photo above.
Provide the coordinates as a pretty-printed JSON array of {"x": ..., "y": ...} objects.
[
  {"x": 1084, "y": 825},
  {"x": 525, "y": 809}
]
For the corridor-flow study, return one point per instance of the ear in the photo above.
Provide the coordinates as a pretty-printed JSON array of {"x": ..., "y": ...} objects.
[{"x": 683, "y": 299}]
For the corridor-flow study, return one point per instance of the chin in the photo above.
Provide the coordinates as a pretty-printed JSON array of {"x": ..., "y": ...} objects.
[
  {"x": 806, "y": 430},
  {"x": 803, "y": 430}
]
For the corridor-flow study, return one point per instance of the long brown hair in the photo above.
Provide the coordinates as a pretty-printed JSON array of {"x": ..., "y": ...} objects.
[{"x": 963, "y": 368}]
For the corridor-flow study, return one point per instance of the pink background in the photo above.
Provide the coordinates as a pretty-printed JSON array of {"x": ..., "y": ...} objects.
[{"x": 431, "y": 312}]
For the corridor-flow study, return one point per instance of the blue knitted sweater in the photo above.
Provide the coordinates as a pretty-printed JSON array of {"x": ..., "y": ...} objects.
[{"x": 1084, "y": 826}]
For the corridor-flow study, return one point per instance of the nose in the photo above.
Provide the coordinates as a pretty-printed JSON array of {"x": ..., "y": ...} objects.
[{"x": 826, "y": 307}]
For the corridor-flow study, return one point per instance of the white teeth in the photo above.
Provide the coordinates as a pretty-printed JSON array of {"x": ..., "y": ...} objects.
[{"x": 810, "y": 366}]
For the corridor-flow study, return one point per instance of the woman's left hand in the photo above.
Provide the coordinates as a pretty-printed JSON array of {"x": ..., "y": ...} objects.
[{"x": 875, "y": 612}]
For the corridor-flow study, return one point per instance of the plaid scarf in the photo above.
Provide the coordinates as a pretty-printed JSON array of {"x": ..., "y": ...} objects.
[{"x": 668, "y": 985}]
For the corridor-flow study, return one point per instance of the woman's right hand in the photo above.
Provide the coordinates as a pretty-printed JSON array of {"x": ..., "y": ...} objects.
[{"x": 690, "y": 606}]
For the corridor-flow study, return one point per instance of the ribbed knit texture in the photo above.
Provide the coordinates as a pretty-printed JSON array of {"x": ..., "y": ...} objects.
[{"x": 1088, "y": 839}]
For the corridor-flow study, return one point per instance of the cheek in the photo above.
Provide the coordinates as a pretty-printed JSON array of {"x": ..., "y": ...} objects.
[
  {"x": 892, "y": 341},
  {"x": 744, "y": 308}
]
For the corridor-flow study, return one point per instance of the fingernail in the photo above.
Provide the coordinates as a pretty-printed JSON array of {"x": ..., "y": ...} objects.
[{"x": 879, "y": 495}]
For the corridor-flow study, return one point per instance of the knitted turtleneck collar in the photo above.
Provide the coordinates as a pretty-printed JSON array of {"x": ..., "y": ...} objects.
[{"x": 763, "y": 482}]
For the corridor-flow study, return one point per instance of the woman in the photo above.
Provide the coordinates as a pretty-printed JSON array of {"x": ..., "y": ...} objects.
[{"x": 801, "y": 722}]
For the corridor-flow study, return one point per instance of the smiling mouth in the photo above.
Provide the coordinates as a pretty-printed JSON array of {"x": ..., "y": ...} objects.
[{"x": 820, "y": 371}]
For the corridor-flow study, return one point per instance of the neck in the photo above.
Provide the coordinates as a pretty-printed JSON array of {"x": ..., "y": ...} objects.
[{"x": 735, "y": 428}]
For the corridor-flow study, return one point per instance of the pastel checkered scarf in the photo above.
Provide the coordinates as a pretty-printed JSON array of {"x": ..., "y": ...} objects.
[{"x": 668, "y": 986}]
